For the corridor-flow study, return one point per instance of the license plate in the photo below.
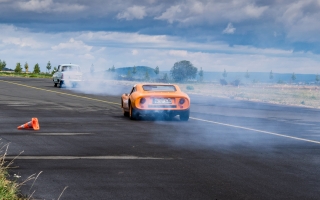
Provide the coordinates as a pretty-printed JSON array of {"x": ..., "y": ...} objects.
[{"x": 162, "y": 101}]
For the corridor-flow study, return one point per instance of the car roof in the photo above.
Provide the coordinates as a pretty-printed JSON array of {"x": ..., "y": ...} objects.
[{"x": 139, "y": 85}]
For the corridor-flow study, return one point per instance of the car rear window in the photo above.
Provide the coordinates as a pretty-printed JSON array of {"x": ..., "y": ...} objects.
[{"x": 166, "y": 88}]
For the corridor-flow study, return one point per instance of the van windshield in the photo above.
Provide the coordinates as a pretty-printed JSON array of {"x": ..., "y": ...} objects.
[
  {"x": 70, "y": 68},
  {"x": 166, "y": 88}
]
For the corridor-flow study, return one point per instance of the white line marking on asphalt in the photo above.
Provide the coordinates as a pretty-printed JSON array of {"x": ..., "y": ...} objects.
[
  {"x": 83, "y": 158},
  {"x": 256, "y": 130},
  {"x": 62, "y": 134}
]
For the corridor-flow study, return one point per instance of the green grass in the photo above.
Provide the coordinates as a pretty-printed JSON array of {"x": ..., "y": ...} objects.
[
  {"x": 9, "y": 188},
  {"x": 10, "y": 185},
  {"x": 27, "y": 75}
]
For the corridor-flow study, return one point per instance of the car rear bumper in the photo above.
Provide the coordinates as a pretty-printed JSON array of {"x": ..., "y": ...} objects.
[{"x": 160, "y": 111}]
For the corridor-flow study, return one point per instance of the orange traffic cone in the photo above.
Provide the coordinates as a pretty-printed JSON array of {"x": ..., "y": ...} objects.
[{"x": 33, "y": 124}]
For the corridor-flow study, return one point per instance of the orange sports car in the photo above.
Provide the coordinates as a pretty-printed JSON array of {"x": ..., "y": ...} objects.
[{"x": 156, "y": 99}]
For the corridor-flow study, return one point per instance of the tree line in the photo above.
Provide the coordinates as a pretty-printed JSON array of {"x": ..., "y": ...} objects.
[
  {"x": 271, "y": 76},
  {"x": 19, "y": 68},
  {"x": 180, "y": 72}
]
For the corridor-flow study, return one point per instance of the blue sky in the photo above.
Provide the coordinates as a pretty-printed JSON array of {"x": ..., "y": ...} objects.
[{"x": 236, "y": 35}]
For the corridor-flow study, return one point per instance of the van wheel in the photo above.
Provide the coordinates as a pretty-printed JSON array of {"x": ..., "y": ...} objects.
[{"x": 61, "y": 84}]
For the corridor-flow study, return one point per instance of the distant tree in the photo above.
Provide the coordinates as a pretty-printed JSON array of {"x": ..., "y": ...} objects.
[
  {"x": 317, "y": 78},
  {"x": 156, "y": 70},
  {"x": 293, "y": 77},
  {"x": 18, "y": 68},
  {"x": 113, "y": 69},
  {"x": 36, "y": 69},
  {"x": 223, "y": 82},
  {"x": 2, "y": 65},
  {"x": 201, "y": 75},
  {"x": 183, "y": 70},
  {"x": 165, "y": 77},
  {"x": 271, "y": 75},
  {"x": 129, "y": 75},
  {"x": 224, "y": 74},
  {"x": 247, "y": 75},
  {"x": 48, "y": 66},
  {"x": 146, "y": 76},
  {"x": 134, "y": 70},
  {"x": 26, "y": 67},
  {"x": 54, "y": 70},
  {"x": 235, "y": 82}
]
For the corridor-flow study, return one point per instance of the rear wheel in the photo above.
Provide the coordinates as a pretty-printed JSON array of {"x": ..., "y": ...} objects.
[
  {"x": 55, "y": 84},
  {"x": 184, "y": 116},
  {"x": 60, "y": 84},
  {"x": 125, "y": 113},
  {"x": 132, "y": 113}
]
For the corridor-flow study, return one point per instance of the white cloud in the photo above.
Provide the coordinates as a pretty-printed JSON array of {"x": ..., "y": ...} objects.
[
  {"x": 43, "y": 6},
  {"x": 133, "y": 38},
  {"x": 135, "y": 52},
  {"x": 36, "y": 5},
  {"x": 87, "y": 56},
  {"x": 178, "y": 53},
  {"x": 134, "y": 12},
  {"x": 254, "y": 11},
  {"x": 105, "y": 49},
  {"x": 171, "y": 14},
  {"x": 229, "y": 29},
  {"x": 212, "y": 11},
  {"x": 301, "y": 20},
  {"x": 71, "y": 45}
]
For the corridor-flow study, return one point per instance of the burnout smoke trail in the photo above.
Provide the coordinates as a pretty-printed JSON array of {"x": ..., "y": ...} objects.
[{"x": 256, "y": 130}]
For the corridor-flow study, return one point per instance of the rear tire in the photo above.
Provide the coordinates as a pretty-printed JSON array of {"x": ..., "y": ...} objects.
[
  {"x": 55, "y": 84},
  {"x": 60, "y": 84},
  {"x": 184, "y": 116},
  {"x": 125, "y": 113},
  {"x": 132, "y": 113}
]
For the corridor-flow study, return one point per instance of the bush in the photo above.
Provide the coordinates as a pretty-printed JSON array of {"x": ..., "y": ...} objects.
[
  {"x": 280, "y": 81},
  {"x": 223, "y": 82},
  {"x": 190, "y": 87},
  {"x": 183, "y": 70},
  {"x": 235, "y": 82}
]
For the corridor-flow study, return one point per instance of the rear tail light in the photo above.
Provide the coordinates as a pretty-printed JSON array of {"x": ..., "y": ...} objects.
[
  {"x": 181, "y": 101},
  {"x": 142, "y": 100}
]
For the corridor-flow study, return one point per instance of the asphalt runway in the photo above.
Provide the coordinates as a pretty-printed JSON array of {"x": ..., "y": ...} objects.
[{"x": 227, "y": 150}]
